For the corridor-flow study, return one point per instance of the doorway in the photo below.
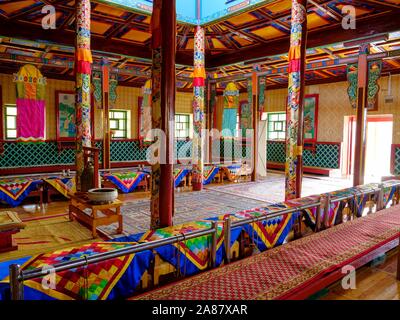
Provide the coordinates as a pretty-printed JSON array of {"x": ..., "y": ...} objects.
[{"x": 378, "y": 149}]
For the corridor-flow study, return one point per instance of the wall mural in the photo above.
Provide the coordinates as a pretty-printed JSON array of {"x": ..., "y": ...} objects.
[
  {"x": 65, "y": 113},
  {"x": 311, "y": 118}
]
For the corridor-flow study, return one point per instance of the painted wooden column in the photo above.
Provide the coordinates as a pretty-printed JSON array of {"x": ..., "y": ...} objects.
[
  {"x": 295, "y": 105},
  {"x": 254, "y": 107},
  {"x": 163, "y": 110},
  {"x": 83, "y": 64},
  {"x": 212, "y": 105},
  {"x": 105, "y": 76},
  {"x": 361, "y": 123},
  {"x": 198, "y": 109}
]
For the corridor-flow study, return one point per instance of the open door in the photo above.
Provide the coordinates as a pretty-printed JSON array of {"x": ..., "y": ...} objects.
[{"x": 378, "y": 148}]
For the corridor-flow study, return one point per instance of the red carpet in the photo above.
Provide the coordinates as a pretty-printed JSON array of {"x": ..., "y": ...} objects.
[{"x": 277, "y": 273}]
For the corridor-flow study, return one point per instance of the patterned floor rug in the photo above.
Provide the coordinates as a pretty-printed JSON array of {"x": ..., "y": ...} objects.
[
  {"x": 189, "y": 206},
  {"x": 47, "y": 235},
  {"x": 278, "y": 273},
  {"x": 272, "y": 187}
]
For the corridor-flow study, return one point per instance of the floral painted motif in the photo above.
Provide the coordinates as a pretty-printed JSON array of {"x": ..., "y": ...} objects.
[
  {"x": 198, "y": 108},
  {"x": 293, "y": 150},
  {"x": 83, "y": 74}
]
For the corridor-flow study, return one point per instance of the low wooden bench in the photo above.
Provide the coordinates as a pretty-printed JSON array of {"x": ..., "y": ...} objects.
[{"x": 310, "y": 264}]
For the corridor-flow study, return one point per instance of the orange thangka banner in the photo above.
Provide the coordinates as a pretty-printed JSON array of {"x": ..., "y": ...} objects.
[{"x": 84, "y": 55}]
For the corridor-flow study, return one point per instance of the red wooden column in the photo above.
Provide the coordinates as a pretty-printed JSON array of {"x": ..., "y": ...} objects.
[
  {"x": 295, "y": 106},
  {"x": 83, "y": 62},
  {"x": 361, "y": 124},
  {"x": 163, "y": 26},
  {"x": 255, "y": 124}
]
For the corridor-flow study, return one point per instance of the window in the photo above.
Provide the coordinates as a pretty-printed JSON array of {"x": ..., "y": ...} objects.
[
  {"x": 276, "y": 126},
  {"x": 10, "y": 121},
  {"x": 119, "y": 124},
  {"x": 182, "y": 126}
]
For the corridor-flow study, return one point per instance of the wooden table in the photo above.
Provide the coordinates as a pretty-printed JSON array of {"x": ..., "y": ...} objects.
[
  {"x": 98, "y": 215},
  {"x": 9, "y": 224}
]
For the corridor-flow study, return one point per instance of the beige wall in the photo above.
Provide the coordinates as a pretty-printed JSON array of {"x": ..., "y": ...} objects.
[
  {"x": 127, "y": 98},
  {"x": 334, "y": 105}
]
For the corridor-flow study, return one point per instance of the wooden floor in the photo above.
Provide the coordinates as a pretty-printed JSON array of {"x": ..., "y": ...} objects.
[{"x": 376, "y": 281}]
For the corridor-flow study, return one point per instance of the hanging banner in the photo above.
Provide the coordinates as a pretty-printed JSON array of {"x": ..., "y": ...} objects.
[
  {"x": 231, "y": 105},
  {"x": 30, "y": 85}
]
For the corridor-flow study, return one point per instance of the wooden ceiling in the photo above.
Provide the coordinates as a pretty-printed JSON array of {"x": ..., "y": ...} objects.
[{"x": 232, "y": 45}]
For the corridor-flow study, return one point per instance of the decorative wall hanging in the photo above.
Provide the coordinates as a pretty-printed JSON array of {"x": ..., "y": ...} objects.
[
  {"x": 65, "y": 116},
  {"x": 311, "y": 118},
  {"x": 261, "y": 94},
  {"x": 375, "y": 69},
  {"x": 144, "y": 113},
  {"x": 30, "y": 85},
  {"x": 352, "y": 79},
  {"x": 231, "y": 104},
  {"x": 245, "y": 116},
  {"x": 97, "y": 89},
  {"x": 113, "y": 84}
]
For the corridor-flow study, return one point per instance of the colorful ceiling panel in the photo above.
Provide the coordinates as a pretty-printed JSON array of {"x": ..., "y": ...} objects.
[{"x": 239, "y": 33}]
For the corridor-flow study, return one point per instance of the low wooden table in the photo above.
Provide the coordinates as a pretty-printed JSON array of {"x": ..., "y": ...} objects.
[
  {"x": 109, "y": 212},
  {"x": 9, "y": 224}
]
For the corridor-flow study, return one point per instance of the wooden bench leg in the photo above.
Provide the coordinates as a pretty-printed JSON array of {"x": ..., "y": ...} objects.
[
  {"x": 120, "y": 221},
  {"x": 145, "y": 280},
  {"x": 398, "y": 261}
]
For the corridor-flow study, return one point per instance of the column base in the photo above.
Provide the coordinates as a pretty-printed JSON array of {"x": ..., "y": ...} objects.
[{"x": 197, "y": 186}]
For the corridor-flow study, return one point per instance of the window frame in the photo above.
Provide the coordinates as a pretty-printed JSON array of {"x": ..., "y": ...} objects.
[
  {"x": 125, "y": 119},
  {"x": 274, "y": 123},
  {"x": 189, "y": 127},
  {"x": 5, "y": 118}
]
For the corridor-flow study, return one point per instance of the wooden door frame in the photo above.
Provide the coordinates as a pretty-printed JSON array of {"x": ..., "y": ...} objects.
[{"x": 352, "y": 120}]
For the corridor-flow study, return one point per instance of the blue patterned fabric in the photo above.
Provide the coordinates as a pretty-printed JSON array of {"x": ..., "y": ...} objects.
[
  {"x": 229, "y": 122},
  {"x": 125, "y": 287},
  {"x": 182, "y": 174},
  {"x": 15, "y": 200}
]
